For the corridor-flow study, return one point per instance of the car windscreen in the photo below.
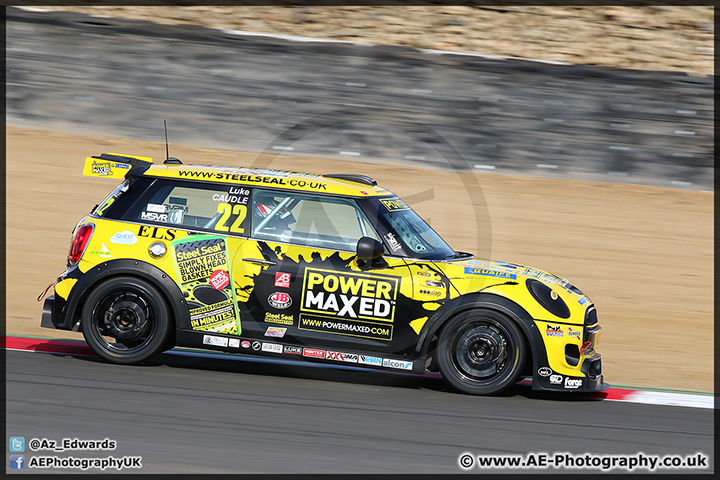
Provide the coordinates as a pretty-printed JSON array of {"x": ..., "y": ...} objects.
[{"x": 404, "y": 232}]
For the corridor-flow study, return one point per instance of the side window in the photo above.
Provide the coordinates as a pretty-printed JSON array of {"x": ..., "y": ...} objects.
[
  {"x": 324, "y": 222},
  {"x": 218, "y": 208},
  {"x": 100, "y": 209}
]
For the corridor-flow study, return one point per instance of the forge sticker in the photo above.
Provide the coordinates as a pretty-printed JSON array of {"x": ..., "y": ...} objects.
[{"x": 202, "y": 269}]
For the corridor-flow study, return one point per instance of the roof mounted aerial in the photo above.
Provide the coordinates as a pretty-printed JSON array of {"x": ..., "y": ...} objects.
[{"x": 168, "y": 158}]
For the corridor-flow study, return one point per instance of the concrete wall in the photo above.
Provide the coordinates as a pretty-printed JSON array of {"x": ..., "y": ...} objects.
[{"x": 117, "y": 77}]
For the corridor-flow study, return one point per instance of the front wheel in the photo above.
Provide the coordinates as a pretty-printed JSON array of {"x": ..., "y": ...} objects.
[
  {"x": 125, "y": 320},
  {"x": 481, "y": 352}
]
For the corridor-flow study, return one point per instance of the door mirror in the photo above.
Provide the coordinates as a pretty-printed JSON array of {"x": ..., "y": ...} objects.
[{"x": 369, "y": 249}]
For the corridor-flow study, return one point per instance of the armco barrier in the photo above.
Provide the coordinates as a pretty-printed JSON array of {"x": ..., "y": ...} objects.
[{"x": 110, "y": 76}]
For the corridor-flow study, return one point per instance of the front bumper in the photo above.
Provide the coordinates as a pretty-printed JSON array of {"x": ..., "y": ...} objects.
[{"x": 592, "y": 381}]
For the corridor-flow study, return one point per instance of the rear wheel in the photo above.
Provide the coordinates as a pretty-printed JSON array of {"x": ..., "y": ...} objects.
[
  {"x": 126, "y": 320},
  {"x": 481, "y": 352}
]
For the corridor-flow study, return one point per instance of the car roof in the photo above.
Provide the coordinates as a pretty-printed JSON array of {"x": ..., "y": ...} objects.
[
  {"x": 116, "y": 165},
  {"x": 337, "y": 184}
]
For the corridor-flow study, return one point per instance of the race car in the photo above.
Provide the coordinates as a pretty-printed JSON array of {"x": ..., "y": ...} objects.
[{"x": 321, "y": 268}]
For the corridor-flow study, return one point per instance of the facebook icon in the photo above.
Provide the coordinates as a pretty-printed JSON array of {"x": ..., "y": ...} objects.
[{"x": 17, "y": 462}]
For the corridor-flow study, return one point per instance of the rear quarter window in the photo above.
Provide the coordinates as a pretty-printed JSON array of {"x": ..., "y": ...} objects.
[{"x": 194, "y": 206}]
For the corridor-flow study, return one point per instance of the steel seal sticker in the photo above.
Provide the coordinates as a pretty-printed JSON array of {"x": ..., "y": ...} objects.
[
  {"x": 345, "y": 303},
  {"x": 202, "y": 269}
]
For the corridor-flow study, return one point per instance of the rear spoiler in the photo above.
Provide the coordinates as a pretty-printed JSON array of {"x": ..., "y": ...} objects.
[{"x": 115, "y": 165}]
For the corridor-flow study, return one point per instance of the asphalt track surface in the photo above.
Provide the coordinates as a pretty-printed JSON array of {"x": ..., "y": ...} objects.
[{"x": 185, "y": 414}]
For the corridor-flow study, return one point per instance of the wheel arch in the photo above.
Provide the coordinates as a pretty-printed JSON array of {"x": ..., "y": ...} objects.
[
  {"x": 533, "y": 338},
  {"x": 135, "y": 268}
]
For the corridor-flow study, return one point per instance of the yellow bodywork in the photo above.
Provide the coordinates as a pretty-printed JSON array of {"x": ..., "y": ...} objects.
[
  {"x": 429, "y": 284},
  {"x": 507, "y": 280}
]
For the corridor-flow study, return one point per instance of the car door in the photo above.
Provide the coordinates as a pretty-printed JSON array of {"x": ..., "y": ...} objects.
[{"x": 299, "y": 280}]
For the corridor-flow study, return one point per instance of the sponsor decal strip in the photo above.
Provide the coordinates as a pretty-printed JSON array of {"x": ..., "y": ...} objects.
[
  {"x": 70, "y": 347},
  {"x": 340, "y": 326},
  {"x": 489, "y": 273}
]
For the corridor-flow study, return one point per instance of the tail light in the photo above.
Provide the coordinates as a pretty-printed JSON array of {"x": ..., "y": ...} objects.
[{"x": 79, "y": 242}]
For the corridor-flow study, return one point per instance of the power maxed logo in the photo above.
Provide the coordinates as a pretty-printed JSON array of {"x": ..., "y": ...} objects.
[
  {"x": 101, "y": 169},
  {"x": 348, "y": 303}
]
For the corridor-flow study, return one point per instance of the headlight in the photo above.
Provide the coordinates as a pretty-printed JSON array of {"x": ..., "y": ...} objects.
[{"x": 549, "y": 299}]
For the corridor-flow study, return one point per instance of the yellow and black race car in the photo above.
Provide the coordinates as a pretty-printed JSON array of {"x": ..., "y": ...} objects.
[{"x": 325, "y": 268}]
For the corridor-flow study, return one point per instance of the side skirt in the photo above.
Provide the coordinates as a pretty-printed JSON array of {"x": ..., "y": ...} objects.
[{"x": 276, "y": 348}]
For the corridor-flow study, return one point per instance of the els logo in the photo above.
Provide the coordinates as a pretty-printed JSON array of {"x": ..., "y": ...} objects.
[
  {"x": 282, "y": 279},
  {"x": 156, "y": 232}
]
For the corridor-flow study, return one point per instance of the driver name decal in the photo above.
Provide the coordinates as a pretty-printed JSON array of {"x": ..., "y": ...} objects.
[{"x": 348, "y": 303}]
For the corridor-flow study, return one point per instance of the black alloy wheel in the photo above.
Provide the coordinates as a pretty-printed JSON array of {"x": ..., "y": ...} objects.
[
  {"x": 126, "y": 320},
  {"x": 481, "y": 352}
]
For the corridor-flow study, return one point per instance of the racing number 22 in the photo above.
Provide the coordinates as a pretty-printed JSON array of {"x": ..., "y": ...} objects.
[{"x": 226, "y": 209}]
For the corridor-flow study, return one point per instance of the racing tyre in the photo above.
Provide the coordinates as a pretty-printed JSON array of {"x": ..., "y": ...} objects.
[
  {"x": 126, "y": 320},
  {"x": 481, "y": 352}
]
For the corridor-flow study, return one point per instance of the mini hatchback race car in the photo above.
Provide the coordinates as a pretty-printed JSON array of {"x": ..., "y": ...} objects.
[{"x": 323, "y": 268}]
